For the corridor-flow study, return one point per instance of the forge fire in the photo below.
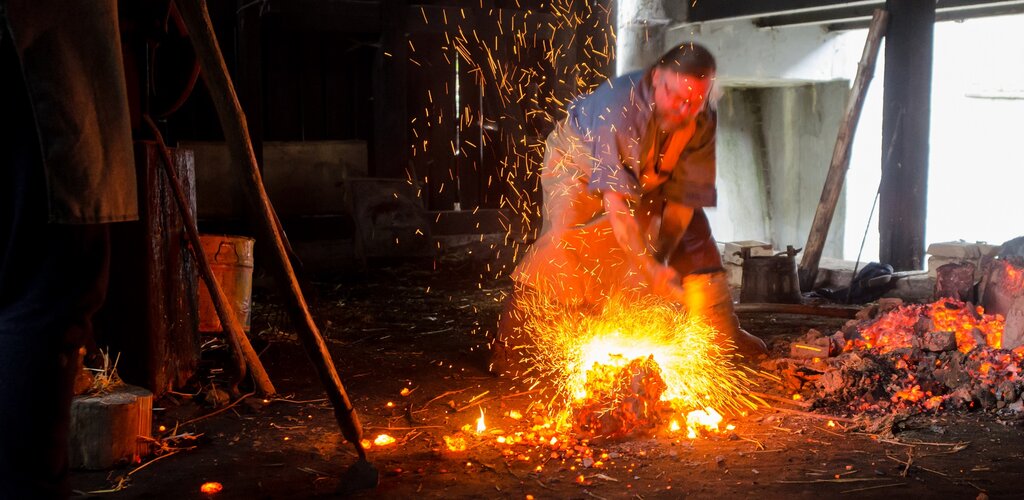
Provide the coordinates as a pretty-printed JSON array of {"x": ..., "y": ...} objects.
[{"x": 631, "y": 368}]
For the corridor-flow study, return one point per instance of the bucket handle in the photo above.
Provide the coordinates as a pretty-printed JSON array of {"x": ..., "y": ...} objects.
[{"x": 229, "y": 245}]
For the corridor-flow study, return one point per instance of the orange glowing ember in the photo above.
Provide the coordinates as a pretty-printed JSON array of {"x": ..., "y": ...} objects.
[
  {"x": 896, "y": 329},
  {"x": 211, "y": 488},
  {"x": 383, "y": 440},
  {"x": 455, "y": 443},
  {"x": 480, "y": 426},
  {"x": 1012, "y": 277},
  {"x": 700, "y": 420}
]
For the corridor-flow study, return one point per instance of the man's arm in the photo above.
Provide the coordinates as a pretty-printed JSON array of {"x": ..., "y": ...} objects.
[
  {"x": 674, "y": 221},
  {"x": 632, "y": 239}
]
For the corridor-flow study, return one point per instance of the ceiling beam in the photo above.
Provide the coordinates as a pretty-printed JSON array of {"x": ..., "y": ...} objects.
[
  {"x": 715, "y": 10},
  {"x": 835, "y": 13},
  {"x": 945, "y": 14}
]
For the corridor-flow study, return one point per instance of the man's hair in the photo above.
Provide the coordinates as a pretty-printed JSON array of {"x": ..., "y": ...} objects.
[{"x": 688, "y": 58}]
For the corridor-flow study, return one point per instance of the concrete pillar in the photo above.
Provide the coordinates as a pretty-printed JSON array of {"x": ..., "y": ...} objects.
[
  {"x": 640, "y": 34},
  {"x": 906, "y": 122}
]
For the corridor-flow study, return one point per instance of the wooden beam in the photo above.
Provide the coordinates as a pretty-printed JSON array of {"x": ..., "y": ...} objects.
[
  {"x": 841, "y": 154},
  {"x": 906, "y": 114},
  {"x": 779, "y": 13},
  {"x": 990, "y": 9}
]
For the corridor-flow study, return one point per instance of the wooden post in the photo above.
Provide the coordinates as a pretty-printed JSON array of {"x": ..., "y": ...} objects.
[
  {"x": 228, "y": 317},
  {"x": 841, "y": 154},
  {"x": 907, "y": 91},
  {"x": 232, "y": 118}
]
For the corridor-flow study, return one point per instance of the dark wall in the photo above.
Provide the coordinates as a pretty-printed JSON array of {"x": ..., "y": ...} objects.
[{"x": 316, "y": 83}]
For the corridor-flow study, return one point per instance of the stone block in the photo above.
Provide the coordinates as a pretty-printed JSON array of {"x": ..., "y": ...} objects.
[
  {"x": 734, "y": 249},
  {"x": 955, "y": 249},
  {"x": 915, "y": 288},
  {"x": 1013, "y": 334},
  {"x": 934, "y": 263}
]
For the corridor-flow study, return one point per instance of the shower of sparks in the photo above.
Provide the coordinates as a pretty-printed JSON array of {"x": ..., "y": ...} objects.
[
  {"x": 526, "y": 67},
  {"x": 570, "y": 346}
]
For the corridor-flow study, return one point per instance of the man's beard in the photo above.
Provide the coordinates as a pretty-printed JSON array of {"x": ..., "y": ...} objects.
[{"x": 669, "y": 124}]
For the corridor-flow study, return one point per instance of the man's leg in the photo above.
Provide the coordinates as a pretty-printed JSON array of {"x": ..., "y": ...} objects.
[
  {"x": 52, "y": 280},
  {"x": 508, "y": 348},
  {"x": 705, "y": 287}
]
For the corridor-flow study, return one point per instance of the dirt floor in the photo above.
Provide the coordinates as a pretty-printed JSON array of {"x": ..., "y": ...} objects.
[{"x": 423, "y": 331}]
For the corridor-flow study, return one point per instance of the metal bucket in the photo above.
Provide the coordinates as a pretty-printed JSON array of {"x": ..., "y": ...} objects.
[
  {"x": 231, "y": 260},
  {"x": 771, "y": 279}
]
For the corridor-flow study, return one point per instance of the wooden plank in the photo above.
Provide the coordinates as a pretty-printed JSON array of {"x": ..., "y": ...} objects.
[
  {"x": 906, "y": 114},
  {"x": 841, "y": 154}
]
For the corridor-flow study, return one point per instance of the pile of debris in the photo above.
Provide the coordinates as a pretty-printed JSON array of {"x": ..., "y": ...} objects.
[
  {"x": 907, "y": 359},
  {"x": 624, "y": 402}
]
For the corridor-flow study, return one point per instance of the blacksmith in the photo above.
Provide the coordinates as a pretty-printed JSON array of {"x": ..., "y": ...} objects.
[{"x": 626, "y": 177}]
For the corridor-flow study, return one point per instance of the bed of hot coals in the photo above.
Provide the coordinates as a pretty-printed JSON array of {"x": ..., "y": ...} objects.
[{"x": 906, "y": 359}]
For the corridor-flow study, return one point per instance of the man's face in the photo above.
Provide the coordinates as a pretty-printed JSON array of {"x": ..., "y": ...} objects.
[{"x": 678, "y": 97}]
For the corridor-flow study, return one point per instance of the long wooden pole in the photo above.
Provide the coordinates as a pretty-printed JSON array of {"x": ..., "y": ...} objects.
[
  {"x": 841, "y": 154},
  {"x": 228, "y": 318},
  {"x": 232, "y": 119}
]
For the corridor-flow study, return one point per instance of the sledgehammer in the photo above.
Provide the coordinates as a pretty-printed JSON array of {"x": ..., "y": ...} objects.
[{"x": 222, "y": 91}]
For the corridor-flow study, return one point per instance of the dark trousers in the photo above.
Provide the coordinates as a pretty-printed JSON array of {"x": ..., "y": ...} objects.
[{"x": 53, "y": 278}]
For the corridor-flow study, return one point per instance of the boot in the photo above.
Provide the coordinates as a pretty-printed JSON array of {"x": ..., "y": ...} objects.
[{"x": 707, "y": 295}]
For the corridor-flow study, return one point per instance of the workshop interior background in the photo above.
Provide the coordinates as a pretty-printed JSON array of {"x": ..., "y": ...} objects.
[{"x": 400, "y": 143}]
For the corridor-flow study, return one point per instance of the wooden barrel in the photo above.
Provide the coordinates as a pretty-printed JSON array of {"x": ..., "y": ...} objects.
[{"x": 770, "y": 279}]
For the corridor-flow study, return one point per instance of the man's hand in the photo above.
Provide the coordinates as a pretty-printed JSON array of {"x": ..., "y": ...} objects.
[{"x": 665, "y": 281}]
